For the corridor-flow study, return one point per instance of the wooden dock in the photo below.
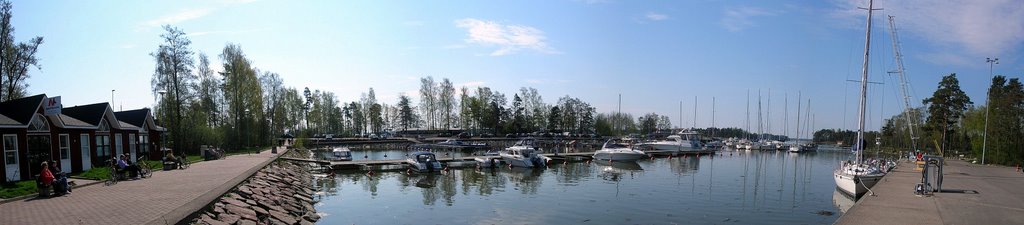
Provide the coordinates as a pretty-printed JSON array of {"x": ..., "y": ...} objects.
[
  {"x": 971, "y": 194},
  {"x": 458, "y": 161}
]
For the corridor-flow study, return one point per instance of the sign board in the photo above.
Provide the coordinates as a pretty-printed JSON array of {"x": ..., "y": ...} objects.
[{"x": 52, "y": 106}]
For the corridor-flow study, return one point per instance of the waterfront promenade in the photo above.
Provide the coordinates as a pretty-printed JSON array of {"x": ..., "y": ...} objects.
[
  {"x": 971, "y": 194},
  {"x": 164, "y": 198}
]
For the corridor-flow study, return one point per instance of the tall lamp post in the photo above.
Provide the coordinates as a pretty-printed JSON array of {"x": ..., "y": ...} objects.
[
  {"x": 162, "y": 92},
  {"x": 245, "y": 120},
  {"x": 988, "y": 102}
]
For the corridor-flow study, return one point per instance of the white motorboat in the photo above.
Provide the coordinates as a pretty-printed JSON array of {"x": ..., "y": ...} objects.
[
  {"x": 487, "y": 161},
  {"x": 524, "y": 153},
  {"x": 857, "y": 176},
  {"x": 340, "y": 154},
  {"x": 423, "y": 162},
  {"x": 674, "y": 142},
  {"x": 618, "y": 152}
]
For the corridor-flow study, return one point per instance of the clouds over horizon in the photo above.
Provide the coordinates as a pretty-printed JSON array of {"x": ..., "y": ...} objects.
[
  {"x": 979, "y": 28},
  {"x": 508, "y": 38}
]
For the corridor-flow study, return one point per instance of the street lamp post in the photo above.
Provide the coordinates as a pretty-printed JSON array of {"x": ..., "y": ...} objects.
[
  {"x": 988, "y": 102},
  {"x": 162, "y": 92},
  {"x": 245, "y": 120}
]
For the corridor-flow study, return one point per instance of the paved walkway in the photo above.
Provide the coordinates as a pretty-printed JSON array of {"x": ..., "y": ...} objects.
[
  {"x": 165, "y": 198},
  {"x": 971, "y": 194}
]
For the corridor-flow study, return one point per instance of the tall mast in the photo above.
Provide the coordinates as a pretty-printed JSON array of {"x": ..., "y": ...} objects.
[
  {"x": 694, "y": 111},
  {"x": 748, "y": 115},
  {"x": 797, "y": 118},
  {"x": 863, "y": 87},
  {"x": 713, "y": 116},
  {"x": 904, "y": 90}
]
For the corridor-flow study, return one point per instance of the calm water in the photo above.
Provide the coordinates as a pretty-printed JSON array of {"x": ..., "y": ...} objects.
[{"x": 733, "y": 187}]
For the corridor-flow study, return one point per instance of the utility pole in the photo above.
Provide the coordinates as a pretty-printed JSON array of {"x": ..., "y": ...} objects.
[{"x": 988, "y": 101}]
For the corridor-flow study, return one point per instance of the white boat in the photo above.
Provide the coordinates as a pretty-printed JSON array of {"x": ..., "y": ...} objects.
[
  {"x": 684, "y": 141},
  {"x": 340, "y": 154},
  {"x": 487, "y": 161},
  {"x": 524, "y": 153},
  {"x": 857, "y": 176},
  {"x": 423, "y": 162},
  {"x": 618, "y": 152}
]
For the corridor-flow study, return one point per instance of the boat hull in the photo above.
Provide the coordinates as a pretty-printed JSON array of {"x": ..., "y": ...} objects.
[
  {"x": 855, "y": 185},
  {"x": 671, "y": 147}
]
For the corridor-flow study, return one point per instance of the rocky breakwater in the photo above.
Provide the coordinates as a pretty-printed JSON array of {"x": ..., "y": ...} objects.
[{"x": 280, "y": 193}]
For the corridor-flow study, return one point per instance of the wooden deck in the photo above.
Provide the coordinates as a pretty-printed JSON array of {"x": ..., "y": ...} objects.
[{"x": 454, "y": 161}]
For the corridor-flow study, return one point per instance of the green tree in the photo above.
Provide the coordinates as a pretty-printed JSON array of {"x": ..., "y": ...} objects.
[
  {"x": 406, "y": 111},
  {"x": 945, "y": 109},
  {"x": 173, "y": 76},
  {"x": 243, "y": 94},
  {"x": 15, "y": 58}
]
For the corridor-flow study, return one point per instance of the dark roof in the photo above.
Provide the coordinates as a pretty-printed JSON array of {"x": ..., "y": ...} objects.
[
  {"x": 72, "y": 122},
  {"x": 21, "y": 110},
  {"x": 134, "y": 117},
  {"x": 91, "y": 114}
]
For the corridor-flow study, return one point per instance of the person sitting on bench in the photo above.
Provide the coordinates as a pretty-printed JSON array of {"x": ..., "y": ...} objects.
[
  {"x": 45, "y": 180},
  {"x": 122, "y": 164}
]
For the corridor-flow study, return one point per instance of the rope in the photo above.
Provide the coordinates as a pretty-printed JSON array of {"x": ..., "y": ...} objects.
[{"x": 865, "y": 186}]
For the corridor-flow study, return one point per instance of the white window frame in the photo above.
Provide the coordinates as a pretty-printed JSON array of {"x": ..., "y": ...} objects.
[
  {"x": 65, "y": 146},
  {"x": 10, "y": 151}
]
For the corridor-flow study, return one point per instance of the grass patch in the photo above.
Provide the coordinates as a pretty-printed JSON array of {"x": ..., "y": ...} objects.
[
  {"x": 20, "y": 188},
  {"x": 98, "y": 173}
]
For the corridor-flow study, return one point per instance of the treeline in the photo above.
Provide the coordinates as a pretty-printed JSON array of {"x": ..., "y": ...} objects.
[{"x": 950, "y": 124}]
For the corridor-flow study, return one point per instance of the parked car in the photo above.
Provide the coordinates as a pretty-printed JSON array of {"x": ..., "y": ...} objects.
[
  {"x": 510, "y": 135},
  {"x": 374, "y": 137},
  {"x": 465, "y": 135}
]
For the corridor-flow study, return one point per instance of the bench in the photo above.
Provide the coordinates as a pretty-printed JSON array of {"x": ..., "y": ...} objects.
[{"x": 169, "y": 165}]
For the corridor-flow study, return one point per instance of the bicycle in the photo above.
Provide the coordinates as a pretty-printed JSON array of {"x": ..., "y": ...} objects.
[
  {"x": 183, "y": 161},
  {"x": 144, "y": 168},
  {"x": 115, "y": 174}
]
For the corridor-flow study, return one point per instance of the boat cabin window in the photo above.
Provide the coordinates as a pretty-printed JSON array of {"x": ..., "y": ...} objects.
[{"x": 424, "y": 158}]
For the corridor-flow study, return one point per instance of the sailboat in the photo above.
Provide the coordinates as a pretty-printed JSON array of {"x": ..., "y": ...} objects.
[{"x": 857, "y": 176}]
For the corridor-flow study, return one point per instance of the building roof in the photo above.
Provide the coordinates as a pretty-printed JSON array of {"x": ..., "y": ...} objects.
[
  {"x": 91, "y": 114},
  {"x": 20, "y": 111},
  {"x": 138, "y": 118},
  {"x": 4, "y": 120},
  {"x": 65, "y": 121}
]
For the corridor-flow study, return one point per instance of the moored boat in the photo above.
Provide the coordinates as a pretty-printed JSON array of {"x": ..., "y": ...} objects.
[
  {"x": 340, "y": 154},
  {"x": 423, "y": 162},
  {"x": 615, "y": 151}
]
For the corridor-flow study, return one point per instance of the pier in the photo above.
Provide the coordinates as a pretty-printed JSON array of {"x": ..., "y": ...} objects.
[
  {"x": 459, "y": 161},
  {"x": 971, "y": 194}
]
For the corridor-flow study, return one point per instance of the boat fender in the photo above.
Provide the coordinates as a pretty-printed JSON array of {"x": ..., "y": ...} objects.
[
  {"x": 408, "y": 171},
  {"x": 669, "y": 156},
  {"x": 369, "y": 173}
]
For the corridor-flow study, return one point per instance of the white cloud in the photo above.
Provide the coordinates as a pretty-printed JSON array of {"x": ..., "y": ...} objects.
[
  {"x": 184, "y": 15},
  {"x": 740, "y": 18},
  {"x": 982, "y": 28},
  {"x": 656, "y": 16},
  {"x": 946, "y": 58},
  {"x": 508, "y": 38}
]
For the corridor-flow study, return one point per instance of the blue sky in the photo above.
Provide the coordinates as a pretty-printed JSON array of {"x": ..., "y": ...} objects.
[{"x": 655, "y": 53}]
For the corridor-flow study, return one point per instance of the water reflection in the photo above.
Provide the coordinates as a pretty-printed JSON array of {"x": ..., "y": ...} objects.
[
  {"x": 731, "y": 187},
  {"x": 842, "y": 201}
]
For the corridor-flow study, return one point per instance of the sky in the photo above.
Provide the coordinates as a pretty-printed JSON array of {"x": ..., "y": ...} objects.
[{"x": 659, "y": 55}]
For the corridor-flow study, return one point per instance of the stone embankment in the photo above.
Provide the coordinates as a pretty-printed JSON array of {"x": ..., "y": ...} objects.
[{"x": 280, "y": 193}]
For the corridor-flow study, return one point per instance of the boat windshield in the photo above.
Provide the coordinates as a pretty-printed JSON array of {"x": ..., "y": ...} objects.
[
  {"x": 614, "y": 145},
  {"x": 425, "y": 158},
  {"x": 342, "y": 154}
]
